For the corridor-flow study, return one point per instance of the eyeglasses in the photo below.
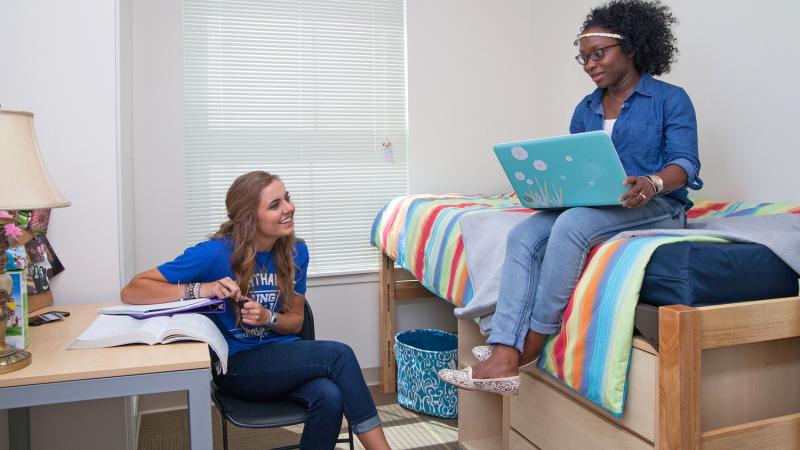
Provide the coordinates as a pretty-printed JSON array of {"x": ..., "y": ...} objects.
[{"x": 596, "y": 55}]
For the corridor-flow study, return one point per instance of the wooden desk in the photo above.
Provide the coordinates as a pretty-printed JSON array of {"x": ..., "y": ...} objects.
[{"x": 58, "y": 375}]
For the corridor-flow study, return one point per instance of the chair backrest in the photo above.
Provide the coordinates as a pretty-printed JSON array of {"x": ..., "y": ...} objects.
[{"x": 307, "y": 330}]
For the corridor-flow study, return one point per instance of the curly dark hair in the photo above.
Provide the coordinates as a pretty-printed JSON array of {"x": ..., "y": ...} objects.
[{"x": 647, "y": 28}]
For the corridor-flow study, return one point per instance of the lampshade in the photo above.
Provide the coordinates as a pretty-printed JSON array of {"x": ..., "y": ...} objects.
[{"x": 24, "y": 183}]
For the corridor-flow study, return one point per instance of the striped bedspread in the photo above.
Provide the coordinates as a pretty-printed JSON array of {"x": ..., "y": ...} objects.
[
  {"x": 422, "y": 234},
  {"x": 707, "y": 209},
  {"x": 592, "y": 351}
]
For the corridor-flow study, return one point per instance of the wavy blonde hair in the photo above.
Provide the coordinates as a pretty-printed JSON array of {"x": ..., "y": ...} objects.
[{"x": 242, "y": 203}]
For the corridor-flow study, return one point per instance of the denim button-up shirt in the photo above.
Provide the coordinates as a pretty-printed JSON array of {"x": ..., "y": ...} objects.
[{"x": 656, "y": 127}]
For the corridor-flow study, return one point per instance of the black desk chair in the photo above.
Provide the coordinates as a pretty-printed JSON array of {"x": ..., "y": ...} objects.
[{"x": 279, "y": 412}]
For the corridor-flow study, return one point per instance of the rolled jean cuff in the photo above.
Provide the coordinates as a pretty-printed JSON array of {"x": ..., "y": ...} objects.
[
  {"x": 507, "y": 339},
  {"x": 541, "y": 328},
  {"x": 366, "y": 425}
]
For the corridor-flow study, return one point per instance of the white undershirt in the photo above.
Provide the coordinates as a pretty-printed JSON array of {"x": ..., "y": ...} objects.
[{"x": 608, "y": 125}]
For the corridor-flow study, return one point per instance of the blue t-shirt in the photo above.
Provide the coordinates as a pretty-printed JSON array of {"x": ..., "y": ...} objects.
[
  {"x": 211, "y": 260},
  {"x": 656, "y": 127}
]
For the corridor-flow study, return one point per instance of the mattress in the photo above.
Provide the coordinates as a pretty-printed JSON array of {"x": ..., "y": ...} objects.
[{"x": 703, "y": 273}]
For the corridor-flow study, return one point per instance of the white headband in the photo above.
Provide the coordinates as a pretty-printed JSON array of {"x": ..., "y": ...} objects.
[{"x": 608, "y": 35}]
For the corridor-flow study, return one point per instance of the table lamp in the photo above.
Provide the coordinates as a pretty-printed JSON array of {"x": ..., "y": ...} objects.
[{"x": 24, "y": 185}]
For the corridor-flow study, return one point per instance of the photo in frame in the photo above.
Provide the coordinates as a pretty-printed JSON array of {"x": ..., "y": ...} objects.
[{"x": 43, "y": 265}]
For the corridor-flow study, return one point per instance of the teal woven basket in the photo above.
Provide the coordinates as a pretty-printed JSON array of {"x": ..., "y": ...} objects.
[{"x": 420, "y": 355}]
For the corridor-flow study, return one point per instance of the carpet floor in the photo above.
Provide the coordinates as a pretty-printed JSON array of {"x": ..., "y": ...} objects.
[{"x": 404, "y": 429}]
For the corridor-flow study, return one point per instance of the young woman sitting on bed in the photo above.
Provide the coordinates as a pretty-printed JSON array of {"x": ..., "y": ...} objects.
[
  {"x": 652, "y": 124},
  {"x": 255, "y": 261}
]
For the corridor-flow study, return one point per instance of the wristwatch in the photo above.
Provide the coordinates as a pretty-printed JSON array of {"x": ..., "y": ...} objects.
[{"x": 273, "y": 320}]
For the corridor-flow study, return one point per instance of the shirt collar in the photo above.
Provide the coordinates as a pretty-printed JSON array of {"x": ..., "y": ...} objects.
[{"x": 644, "y": 87}]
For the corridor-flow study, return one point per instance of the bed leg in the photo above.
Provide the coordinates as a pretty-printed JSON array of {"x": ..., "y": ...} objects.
[
  {"x": 387, "y": 324},
  {"x": 679, "y": 378}
]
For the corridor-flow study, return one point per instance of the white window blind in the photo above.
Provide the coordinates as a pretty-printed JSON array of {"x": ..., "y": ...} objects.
[{"x": 308, "y": 90}]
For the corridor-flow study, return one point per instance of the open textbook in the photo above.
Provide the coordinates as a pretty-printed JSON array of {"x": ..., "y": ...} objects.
[
  {"x": 198, "y": 305},
  {"x": 112, "y": 330}
]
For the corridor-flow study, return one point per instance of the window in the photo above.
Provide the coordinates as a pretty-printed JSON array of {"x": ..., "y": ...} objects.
[{"x": 306, "y": 89}]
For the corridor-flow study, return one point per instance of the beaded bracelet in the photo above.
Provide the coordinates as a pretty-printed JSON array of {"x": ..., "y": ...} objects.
[{"x": 191, "y": 292}]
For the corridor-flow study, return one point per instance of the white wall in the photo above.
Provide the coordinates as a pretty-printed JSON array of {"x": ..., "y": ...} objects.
[
  {"x": 158, "y": 138},
  {"x": 127, "y": 214},
  {"x": 736, "y": 62},
  {"x": 471, "y": 72},
  {"x": 59, "y": 61}
]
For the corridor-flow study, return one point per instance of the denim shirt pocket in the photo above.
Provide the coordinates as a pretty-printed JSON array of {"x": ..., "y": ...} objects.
[{"x": 643, "y": 145}]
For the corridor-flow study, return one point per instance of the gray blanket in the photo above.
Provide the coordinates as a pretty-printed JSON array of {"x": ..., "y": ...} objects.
[{"x": 485, "y": 235}]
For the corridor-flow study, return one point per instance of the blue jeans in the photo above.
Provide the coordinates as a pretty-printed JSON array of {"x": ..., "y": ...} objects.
[
  {"x": 322, "y": 375},
  {"x": 545, "y": 255}
]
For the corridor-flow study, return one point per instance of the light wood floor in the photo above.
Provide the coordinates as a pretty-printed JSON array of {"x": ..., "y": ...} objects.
[{"x": 404, "y": 430}]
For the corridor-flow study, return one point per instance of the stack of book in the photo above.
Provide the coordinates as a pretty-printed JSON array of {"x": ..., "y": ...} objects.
[{"x": 159, "y": 323}]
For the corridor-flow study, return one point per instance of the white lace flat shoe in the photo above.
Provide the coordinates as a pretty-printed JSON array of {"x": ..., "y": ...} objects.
[
  {"x": 463, "y": 379},
  {"x": 484, "y": 352}
]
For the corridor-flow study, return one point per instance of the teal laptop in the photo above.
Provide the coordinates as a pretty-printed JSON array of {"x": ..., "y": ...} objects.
[{"x": 580, "y": 169}]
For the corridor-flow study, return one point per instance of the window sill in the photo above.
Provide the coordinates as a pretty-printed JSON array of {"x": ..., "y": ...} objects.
[{"x": 342, "y": 278}]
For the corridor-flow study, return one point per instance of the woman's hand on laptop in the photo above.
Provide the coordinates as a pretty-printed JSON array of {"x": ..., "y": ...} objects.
[{"x": 640, "y": 192}]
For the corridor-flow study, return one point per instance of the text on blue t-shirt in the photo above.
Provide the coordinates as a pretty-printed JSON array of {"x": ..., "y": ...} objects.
[{"x": 211, "y": 260}]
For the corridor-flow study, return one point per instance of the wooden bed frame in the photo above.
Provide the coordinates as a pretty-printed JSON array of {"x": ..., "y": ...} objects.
[{"x": 724, "y": 376}]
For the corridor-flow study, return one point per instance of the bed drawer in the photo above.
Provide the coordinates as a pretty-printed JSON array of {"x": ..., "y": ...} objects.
[
  {"x": 551, "y": 419},
  {"x": 517, "y": 442},
  {"x": 640, "y": 406}
]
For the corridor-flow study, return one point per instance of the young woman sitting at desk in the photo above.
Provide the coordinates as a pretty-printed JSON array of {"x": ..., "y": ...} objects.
[{"x": 255, "y": 261}]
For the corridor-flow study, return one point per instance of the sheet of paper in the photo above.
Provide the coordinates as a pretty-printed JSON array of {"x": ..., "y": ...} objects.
[{"x": 133, "y": 309}]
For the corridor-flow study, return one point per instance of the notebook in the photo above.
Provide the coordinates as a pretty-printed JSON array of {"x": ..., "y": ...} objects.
[
  {"x": 198, "y": 305},
  {"x": 580, "y": 169}
]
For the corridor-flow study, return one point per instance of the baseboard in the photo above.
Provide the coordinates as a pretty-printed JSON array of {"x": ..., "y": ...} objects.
[
  {"x": 170, "y": 401},
  {"x": 372, "y": 375},
  {"x": 167, "y": 401}
]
